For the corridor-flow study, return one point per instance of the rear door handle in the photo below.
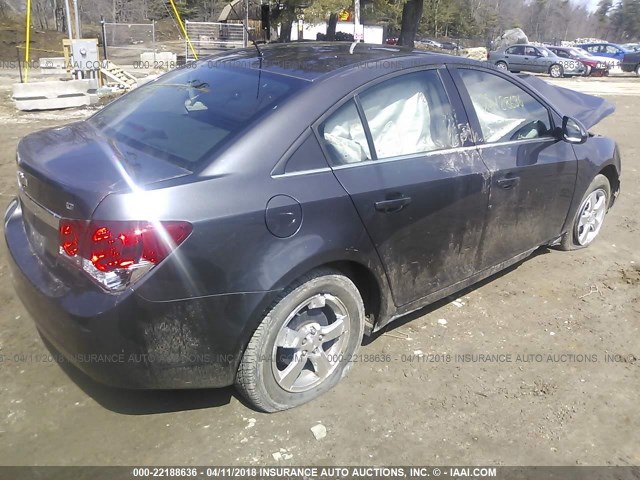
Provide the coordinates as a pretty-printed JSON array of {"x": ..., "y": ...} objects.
[
  {"x": 392, "y": 206},
  {"x": 508, "y": 183}
]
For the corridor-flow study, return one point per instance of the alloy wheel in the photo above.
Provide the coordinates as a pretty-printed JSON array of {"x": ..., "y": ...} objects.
[
  {"x": 311, "y": 343},
  {"x": 591, "y": 217}
]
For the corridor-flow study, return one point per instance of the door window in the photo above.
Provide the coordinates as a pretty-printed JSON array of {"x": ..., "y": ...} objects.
[
  {"x": 516, "y": 50},
  {"x": 410, "y": 114},
  {"x": 530, "y": 51},
  {"x": 505, "y": 111}
]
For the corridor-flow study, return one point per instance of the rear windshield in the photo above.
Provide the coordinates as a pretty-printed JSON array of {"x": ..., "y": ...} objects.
[{"x": 188, "y": 114}]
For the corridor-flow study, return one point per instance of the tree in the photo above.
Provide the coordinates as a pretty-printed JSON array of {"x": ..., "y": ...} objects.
[
  {"x": 411, "y": 15},
  {"x": 326, "y": 11}
]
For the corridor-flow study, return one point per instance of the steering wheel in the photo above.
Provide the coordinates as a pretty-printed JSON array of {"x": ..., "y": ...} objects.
[{"x": 528, "y": 130}]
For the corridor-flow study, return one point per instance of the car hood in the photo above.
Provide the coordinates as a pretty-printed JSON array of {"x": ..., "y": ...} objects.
[{"x": 587, "y": 109}]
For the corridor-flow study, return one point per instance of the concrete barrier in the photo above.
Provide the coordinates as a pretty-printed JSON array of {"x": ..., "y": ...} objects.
[
  {"x": 53, "y": 66},
  {"x": 55, "y": 95}
]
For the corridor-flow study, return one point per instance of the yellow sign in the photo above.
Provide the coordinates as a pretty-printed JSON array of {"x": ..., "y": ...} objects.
[{"x": 345, "y": 15}]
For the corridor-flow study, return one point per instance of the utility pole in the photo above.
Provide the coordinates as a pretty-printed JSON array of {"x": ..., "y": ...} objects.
[
  {"x": 246, "y": 23},
  {"x": 76, "y": 14},
  {"x": 67, "y": 17},
  {"x": 357, "y": 33}
]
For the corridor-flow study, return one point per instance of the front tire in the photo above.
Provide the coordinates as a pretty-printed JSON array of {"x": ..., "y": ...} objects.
[
  {"x": 305, "y": 343},
  {"x": 556, "y": 71},
  {"x": 589, "y": 218},
  {"x": 638, "y": 70}
]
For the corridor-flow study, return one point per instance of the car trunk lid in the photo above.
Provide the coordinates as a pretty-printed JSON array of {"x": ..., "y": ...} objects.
[{"x": 66, "y": 172}]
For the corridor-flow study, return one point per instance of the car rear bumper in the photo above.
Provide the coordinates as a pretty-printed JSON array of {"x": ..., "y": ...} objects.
[{"x": 124, "y": 340}]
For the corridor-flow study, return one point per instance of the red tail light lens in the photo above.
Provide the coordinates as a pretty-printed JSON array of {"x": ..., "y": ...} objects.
[
  {"x": 116, "y": 245},
  {"x": 71, "y": 232},
  {"x": 116, "y": 253}
]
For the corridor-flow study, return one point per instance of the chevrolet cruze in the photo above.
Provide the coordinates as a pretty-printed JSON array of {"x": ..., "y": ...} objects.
[{"x": 248, "y": 218}]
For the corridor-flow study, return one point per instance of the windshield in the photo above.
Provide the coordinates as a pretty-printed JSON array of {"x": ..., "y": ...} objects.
[
  {"x": 584, "y": 53},
  {"x": 545, "y": 52},
  {"x": 578, "y": 52},
  {"x": 187, "y": 114}
]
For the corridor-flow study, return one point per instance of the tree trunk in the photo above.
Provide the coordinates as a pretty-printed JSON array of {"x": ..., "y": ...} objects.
[
  {"x": 285, "y": 29},
  {"x": 411, "y": 15},
  {"x": 331, "y": 27}
]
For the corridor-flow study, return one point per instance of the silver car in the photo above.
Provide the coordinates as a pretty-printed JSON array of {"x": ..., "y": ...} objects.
[{"x": 533, "y": 58}]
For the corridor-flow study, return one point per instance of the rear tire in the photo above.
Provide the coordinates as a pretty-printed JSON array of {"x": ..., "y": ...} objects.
[
  {"x": 305, "y": 343},
  {"x": 556, "y": 70},
  {"x": 589, "y": 218},
  {"x": 502, "y": 66}
]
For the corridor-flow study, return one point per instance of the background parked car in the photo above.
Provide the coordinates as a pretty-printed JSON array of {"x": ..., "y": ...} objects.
[
  {"x": 610, "y": 62},
  {"x": 431, "y": 43},
  {"x": 605, "y": 49},
  {"x": 449, "y": 45},
  {"x": 616, "y": 53},
  {"x": 634, "y": 47},
  {"x": 629, "y": 60},
  {"x": 594, "y": 66},
  {"x": 530, "y": 58}
]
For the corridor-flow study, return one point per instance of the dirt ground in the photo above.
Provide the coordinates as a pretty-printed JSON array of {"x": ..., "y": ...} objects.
[{"x": 568, "y": 323}]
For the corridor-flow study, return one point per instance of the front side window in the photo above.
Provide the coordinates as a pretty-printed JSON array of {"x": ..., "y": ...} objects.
[
  {"x": 410, "y": 114},
  {"x": 505, "y": 111}
]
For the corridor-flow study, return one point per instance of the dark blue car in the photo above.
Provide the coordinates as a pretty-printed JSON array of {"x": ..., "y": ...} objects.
[{"x": 247, "y": 219}]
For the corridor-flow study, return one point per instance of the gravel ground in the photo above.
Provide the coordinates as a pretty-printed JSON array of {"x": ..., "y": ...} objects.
[{"x": 563, "y": 392}]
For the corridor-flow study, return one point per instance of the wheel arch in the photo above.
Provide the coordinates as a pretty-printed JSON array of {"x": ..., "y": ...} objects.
[
  {"x": 369, "y": 279},
  {"x": 612, "y": 174}
]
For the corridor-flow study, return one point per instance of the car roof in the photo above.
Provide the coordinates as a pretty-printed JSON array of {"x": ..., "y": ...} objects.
[
  {"x": 314, "y": 60},
  {"x": 593, "y": 44}
]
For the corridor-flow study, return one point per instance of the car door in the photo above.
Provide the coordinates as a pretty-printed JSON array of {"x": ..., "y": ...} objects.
[
  {"x": 533, "y": 60},
  {"x": 515, "y": 57},
  {"x": 615, "y": 52},
  {"x": 419, "y": 186},
  {"x": 533, "y": 174}
]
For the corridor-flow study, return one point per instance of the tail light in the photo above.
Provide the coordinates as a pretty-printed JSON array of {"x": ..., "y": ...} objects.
[{"x": 114, "y": 253}]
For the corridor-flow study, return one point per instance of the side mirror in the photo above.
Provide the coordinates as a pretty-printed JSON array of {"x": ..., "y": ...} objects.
[{"x": 573, "y": 131}]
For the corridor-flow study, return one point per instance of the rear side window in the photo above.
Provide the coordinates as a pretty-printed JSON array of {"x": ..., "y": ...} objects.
[
  {"x": 505, "y": 111},
  {"x": 410, "y": 114},
  {"x": 517, "y": 50},
  {"x": 344, "y": 137},
  {"x": 189, "y": 113}
]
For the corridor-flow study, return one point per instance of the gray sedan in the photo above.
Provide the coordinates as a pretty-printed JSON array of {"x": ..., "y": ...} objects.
[{"x": 533, "y": 58}]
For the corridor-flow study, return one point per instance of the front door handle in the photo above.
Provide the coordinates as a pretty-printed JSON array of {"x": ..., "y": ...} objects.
[
  {"x": 508, "y": 183},
  {"x": 393, "y": 205}
]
